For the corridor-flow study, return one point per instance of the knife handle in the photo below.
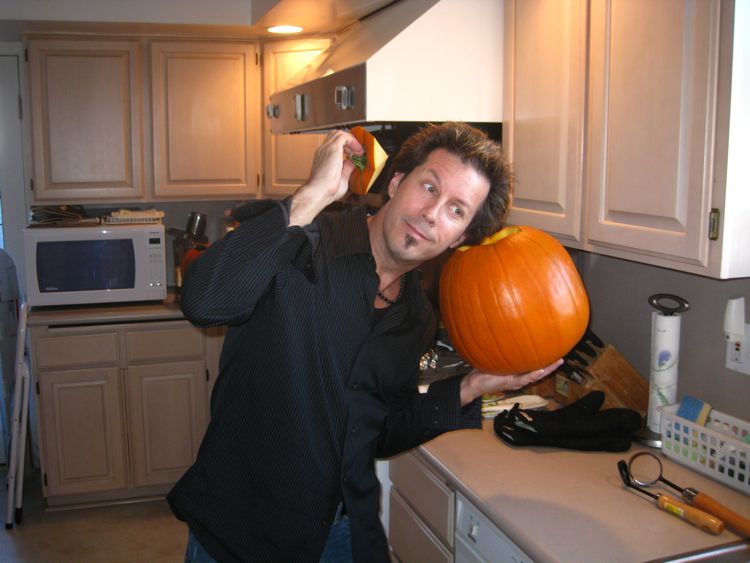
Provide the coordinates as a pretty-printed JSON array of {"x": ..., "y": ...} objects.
[
  {"x": 733, "y": 520},
  {"x": 696, "y": 517}
]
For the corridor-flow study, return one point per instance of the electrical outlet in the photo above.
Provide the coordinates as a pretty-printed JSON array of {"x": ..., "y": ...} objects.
[{"x": 738, "y": 353}]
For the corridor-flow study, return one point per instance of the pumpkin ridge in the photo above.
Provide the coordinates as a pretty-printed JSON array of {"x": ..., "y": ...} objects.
[
  {"x": 458, "y": 315},
  {"x": 522, "y": 342},
  {"x": 552, "y": 312},
  {"x": 562, "y": 280},
  {"x": 530, "y": 265},
  {"x": 485, "y": 326},
  {"x": 491, "y": 323}
]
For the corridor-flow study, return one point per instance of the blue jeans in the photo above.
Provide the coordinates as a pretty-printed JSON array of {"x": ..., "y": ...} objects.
[
  {"x": 195, "y": 552},
  {"x": 338, "y": 547}
]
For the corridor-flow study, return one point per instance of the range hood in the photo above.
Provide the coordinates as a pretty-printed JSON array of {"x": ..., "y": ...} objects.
[{"x": 413, "y": 61}]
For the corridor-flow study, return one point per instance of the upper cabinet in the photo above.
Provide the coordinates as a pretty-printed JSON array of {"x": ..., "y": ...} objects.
[
  {"x": 646, "y": 179},
  {"x": 205, "y": 119},
  {"x": 544, "y": 110},
  {"x": 652, "y": 95},
  {"x": 100, "y": 135},
  {"x": 287, "y": 158},
  {"x": 87, "y": 119}
]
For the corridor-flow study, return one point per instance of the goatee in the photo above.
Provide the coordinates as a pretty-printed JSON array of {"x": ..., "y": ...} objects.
[{"x": 409, "y": 241}]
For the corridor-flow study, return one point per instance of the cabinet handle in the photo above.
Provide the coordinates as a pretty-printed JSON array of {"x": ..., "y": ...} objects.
[
  {"x": 343, "y": 97},
  {"x": 714, "y": 220},
  {"x": 300, "y": 107},
  {"x": 473, "y": 532}
]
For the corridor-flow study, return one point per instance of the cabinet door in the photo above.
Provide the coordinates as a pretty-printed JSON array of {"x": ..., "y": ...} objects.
[
  {"x": 429, "y": 496},
  {"x": 167, "y": 419},
  {"x": 82, "y": 430},
  {"x": 410, "y": 538},
  {"x": 287, "y": 158},
  {"x": 653, "y": 72},
  {"x": 87, "y": 119},
  {"x": 205, "y": 116},
  {"x": 543, "y": 124}
]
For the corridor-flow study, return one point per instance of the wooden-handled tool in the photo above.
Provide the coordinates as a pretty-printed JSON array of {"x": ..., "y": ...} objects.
[
  {"x": 735, "y": 521},
  {"x": 645, "y": 469},
  {"x": 696, "y": 517}
]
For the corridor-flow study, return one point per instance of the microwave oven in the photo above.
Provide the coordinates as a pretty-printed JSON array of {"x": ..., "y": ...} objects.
[{"x": 95, "y": 264}]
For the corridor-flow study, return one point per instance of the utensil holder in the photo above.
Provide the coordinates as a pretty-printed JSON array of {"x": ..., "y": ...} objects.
[{"x": 716, "y": 449}]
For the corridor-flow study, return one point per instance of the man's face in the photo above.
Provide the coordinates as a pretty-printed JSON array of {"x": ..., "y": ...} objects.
[{"x": 430, "y": 208}]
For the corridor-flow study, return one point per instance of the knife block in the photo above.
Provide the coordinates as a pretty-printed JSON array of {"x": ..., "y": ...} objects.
[{"x": 608, "y": 371}]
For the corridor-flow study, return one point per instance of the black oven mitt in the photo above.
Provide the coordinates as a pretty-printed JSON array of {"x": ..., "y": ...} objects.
[{"x": 578, "y": 426}]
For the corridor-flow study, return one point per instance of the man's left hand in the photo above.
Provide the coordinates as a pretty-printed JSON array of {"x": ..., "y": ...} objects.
[{"x": 476, "y": 383}]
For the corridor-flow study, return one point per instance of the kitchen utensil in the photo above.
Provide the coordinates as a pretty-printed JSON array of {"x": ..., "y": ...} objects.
[
  {"x": 196, "y": 226},
  {"x": 491, "y": 406},
  {"x": 702, "y": 520},
  {"x": 646, "y": 469}
]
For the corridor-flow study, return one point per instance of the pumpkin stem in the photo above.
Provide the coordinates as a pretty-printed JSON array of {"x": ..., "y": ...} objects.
[{"x": 493, "y": 238}]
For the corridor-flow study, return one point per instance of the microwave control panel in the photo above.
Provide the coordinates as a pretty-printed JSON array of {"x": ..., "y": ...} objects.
[{"x": 157, "y": 270}]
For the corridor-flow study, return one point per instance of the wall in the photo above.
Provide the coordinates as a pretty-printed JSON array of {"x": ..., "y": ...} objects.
[{"x": 619, "y": 292}]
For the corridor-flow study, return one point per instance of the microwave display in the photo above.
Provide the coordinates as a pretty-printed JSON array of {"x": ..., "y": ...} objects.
[{"x": 85, "y": 265}]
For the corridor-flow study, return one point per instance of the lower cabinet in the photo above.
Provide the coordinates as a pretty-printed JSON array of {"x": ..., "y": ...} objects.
[
  {"x": 166, "y": 417},
  {"x": 122, "y": 408},
  {"x": 82, "y": 431},
  {"x": 422, "y": 507}
]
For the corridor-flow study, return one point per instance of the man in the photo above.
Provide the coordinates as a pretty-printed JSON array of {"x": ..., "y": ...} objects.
[{"x": 319, "y": 368}]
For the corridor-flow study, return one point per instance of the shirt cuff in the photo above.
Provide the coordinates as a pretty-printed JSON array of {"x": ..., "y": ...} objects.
[{"x": 442, "y": 410}]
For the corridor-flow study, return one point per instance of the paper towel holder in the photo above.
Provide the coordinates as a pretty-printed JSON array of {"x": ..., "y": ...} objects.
[
  {"x": 657, "y": 301},
  {"x": 667, "y": 305}
]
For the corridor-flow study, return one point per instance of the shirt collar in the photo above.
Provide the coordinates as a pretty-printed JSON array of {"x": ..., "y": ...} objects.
[{"x": 352, "y": 235}]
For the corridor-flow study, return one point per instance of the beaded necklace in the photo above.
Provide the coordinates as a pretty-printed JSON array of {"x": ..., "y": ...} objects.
[{"x": 388, "y": 300}]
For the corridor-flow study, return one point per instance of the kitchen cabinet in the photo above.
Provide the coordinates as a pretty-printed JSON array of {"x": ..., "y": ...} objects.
[
  {"x": 422, "y": 507},
  {"x": 287, "y": 158},
  {"x": 122, "y": 407},
  {"x": 646, "y": 178},
  {"x": 87, "y": 119},
  {"x": 205, "y": 119},
  {"x": 544, "y": 113}
]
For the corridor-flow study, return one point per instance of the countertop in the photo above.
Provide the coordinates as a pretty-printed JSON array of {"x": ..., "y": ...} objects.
[
  {"x": 169, "y": 309},
  {"x": 570, "y": 506}
]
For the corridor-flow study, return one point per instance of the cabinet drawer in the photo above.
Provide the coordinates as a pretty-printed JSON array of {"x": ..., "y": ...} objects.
[
  {"x": 73, "y": 350},
  {"x": 164, "y": 344},
  {"x": 411, "y": 540},
  {"x": 425, "y": 493}
]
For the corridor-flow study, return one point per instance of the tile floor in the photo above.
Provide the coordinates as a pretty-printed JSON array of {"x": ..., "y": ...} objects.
[{"x": 132, "y": 533}]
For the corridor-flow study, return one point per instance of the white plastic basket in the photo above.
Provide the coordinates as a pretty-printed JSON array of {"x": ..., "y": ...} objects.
[{"x": 716, "y": 449}]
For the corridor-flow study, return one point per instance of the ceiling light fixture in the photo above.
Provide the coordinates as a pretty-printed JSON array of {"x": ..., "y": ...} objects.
[{"x": 285, "y": 29}]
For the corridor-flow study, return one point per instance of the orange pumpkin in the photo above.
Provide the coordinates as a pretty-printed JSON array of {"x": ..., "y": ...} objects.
[
  {"x": 191, "y": 255},
  {"x": 513, "y": 303},
  {"x": 369, "y": 165}
]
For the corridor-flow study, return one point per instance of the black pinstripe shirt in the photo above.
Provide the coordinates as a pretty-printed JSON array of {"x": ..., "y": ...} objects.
[{"x": 312, "y": 388}]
